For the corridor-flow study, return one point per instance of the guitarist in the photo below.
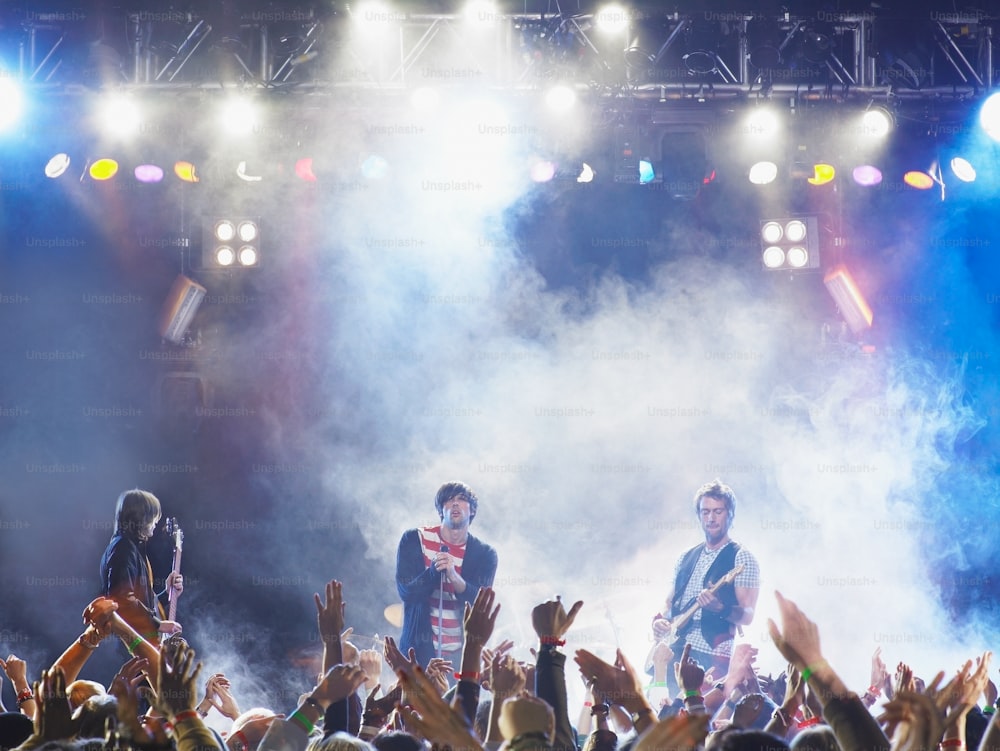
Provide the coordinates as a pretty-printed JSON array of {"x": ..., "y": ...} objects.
[
  {"x": 126, "y": 574},
  {"x": 712, "y": 629}
]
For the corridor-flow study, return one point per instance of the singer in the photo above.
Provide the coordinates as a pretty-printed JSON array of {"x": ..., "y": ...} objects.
[{"x": 438, "y": 570}]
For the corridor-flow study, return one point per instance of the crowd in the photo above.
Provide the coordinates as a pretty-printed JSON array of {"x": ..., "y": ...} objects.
[{"x": 158, "y": 700}]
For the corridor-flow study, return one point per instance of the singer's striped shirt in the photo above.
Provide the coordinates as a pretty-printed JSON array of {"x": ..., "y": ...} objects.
[{"x": 451, "y": 627}]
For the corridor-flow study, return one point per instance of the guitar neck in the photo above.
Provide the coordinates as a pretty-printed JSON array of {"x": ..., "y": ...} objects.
[{"x": 172, "y": 595}]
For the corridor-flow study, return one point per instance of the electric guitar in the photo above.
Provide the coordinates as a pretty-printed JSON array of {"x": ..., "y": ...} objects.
[
  {"x": 679, "y": 625},
  {"x": 173, "y": 528}
]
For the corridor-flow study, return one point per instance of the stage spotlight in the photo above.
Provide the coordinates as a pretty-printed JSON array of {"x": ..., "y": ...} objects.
[
  {"x": 867, "y": 175},
  {"x": 224, "y": 231},
  {"x": 764, "y": 40},
  {"x": 238, "y": 117},
  {"x": 304, "y": 169},
  {"x": 560, "y": 98},
  {"x": 543, "y": 171},
  {"x": 242, "y": 174},
  {"x": 762, "y": 123},
  {"x": 611, "y": 19},
  {"x": 186, "y": 172},
  {"x": 120, "y": 115},
  {"x": 224, "y": 255},
  {"x": 247, "y": 231},
  {"x": 247, "y": 256},
  {"x": 989, "y": 116},
  {"x": 963, "y": 169},
  {"x": 179, "y": 308},
  {"x": 797, "y": 257},
  {"x": 918, "y": 179},
  {"x": 763, "y": 173},
  {"x": 822, "y": 174},
  {"x": 773, "y": 257},
  {"x": 876, "y": 123},
  {"x": 586, "y": 174},
  {"x": 795, "y": 231},
  {"x": 11, "y": 102},
  {"x": 229, "y": 241},
  {"x": 790, "y": 244},
  {"x": 772, "y": 232},
  {"x": 852, "y": 304},
  {"x": 148, "y": 173},
  {"x": 646, "y": 172},
  {"x": 103, "y": 169},
  {"x": 57, "y": 166}
]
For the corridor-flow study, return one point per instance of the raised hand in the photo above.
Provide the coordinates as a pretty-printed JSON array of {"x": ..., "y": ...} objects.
[
  {"x": 431, "y": 717},
  {"x": 177, "y": 688},
  {"x": 16, "y": 670},
  {"x": 438, "y": 670},
  {"x": 550, "y": 619},
  {"x": 330, "y": 612},
  {"x": 506, "y": 676},
  {"x": 377, "y": 710},
  {"x": 370, "y": 661},
  {"x": 913, "y": 721},
  {"x": 338, "y": 683},
  {"x": 223, "y": 699},
  {"x": 798, "y": 638},
  {"x": 53, "y": 720},
  {"x": 395, "y": 659},
  {"x": 481, "y": 617},
  {"x": 619, "y": 682},
  {"x": 677, "y": 733},
  {"x": 126, "y": 688},
  {"x": 688, "y": 673}
]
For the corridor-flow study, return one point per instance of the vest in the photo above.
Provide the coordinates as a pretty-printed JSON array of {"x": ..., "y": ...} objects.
[{"x": 714, "y": 627}]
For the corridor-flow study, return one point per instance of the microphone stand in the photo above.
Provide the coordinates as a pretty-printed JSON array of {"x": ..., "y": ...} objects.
[{"x": 444, "y": 574}]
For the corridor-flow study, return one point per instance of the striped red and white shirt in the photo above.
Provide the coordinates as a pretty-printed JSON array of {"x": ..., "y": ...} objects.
[{"x": 446, "y": 623}]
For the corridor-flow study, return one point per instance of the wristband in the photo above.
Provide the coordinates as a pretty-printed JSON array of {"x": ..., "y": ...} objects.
[
  {"x": 202, "y": 712},
  {"x": 809, "y": 723},
  {"x": 187, "y": 714},
  {"x": 369, "y": 730},
  {"x": 303, "y": 721},
  {"x": 467, "y": 676},
  {"x": 131, "y": 647},
  {"x": 808, "y": 672},
  {"x": 952, "y": 743},
  {"x": 24, "y": 696},
  {"x": 691, "y": 693},
  {"x": 601, "y": 709},
  {"x": 657, "y": 684},
  {"x": 551, "y": 641},
  {"x": 989, "y": 709}
]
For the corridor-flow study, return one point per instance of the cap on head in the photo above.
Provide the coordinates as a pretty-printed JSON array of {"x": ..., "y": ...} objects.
[{"x": 449, "y": 490}]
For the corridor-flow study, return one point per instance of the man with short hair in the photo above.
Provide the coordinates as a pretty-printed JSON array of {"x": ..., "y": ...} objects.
[
  {"x": 712, "y": 629},
  {"x": 438, "y": 570}
]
